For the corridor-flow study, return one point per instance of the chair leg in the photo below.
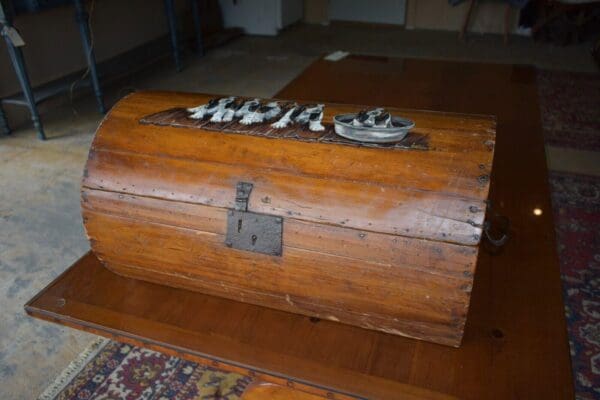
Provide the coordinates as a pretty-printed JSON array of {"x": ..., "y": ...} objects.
[
  {"x": 506, "y": 22},
  {"x": 197, "y": 27},
  {"x": 16, "y": 57},
  {"x": 4, "y": 127},
  {"x": 465, "y": 24},
  {"x": 18, "y": 63},
  {"x": 172, "y": 21},
  {"x": 82, "y": 18}
]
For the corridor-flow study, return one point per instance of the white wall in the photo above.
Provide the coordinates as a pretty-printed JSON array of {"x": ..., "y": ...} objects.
[
  {"x": 291, "y": 11},
  {"x": 379, "y": 11},
  {"x": 261, "y": 17},
  {"x": 487, "y": 16}
]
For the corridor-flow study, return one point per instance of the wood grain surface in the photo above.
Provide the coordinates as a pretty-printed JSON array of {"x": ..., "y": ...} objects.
[
  {"x": 384, "y": 238},
  {"x": 269, "y": 391},
  {"x": 202, "y": 166},
  {"x": 515, "y": 342}
]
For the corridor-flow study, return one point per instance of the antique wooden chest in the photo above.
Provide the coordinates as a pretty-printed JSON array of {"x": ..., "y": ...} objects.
[{"x": 292, "y": 216}]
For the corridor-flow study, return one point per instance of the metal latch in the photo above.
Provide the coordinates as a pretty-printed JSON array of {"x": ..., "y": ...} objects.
[{"x": 251, "y": 231}]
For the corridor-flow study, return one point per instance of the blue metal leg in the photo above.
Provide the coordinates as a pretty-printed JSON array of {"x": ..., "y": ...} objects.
[
  {"x": 16, "y": 57},
  {"x": 197, "y": 27},
  {"x": 82, "y": 18},
  {"x": 4, "y": 127},
  {"x": 172, "y": 21}
]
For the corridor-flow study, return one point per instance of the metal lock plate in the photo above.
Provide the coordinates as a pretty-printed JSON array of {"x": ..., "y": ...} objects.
[
  {"x": 251, "y": 231},
  {"x": 254, "y": 232}
]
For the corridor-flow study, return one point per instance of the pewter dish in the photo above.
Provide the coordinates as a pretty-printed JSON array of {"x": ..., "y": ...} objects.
[{"x": 372, "y": 134}]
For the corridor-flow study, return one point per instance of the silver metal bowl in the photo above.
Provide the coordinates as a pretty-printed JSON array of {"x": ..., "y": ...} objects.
[{"x": 371, "y": 134}]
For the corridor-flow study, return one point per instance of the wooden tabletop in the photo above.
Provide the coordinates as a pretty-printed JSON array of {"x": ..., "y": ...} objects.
[{"x": 515, "y": 344}]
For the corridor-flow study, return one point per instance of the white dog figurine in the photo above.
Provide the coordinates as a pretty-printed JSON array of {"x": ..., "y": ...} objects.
[
  {"x": 225, "y": 112},
  {"x": 244, "y": 108},
  {"x": 284, "y": 121},
  {"x": 210, "y": 108},
  {"x": 315, "y": 118},
  {"x": 377, "y": 117},
  {"x": 261, "y": 113},
  {"x": 311, "y": 114}
]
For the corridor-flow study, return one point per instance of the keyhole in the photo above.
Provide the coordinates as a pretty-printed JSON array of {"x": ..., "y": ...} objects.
[
  {"x": 254, "y": 240},
  {"x": 239, "y": 225}
]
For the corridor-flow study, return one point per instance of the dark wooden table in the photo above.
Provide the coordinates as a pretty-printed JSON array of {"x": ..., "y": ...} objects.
[{"x": 515, "y": 344}]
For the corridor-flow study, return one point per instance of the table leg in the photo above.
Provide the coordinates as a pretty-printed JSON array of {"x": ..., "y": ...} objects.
[
  {"x": 197, "y": 27},
  {"x": 4, "y": 127},
  {"x": 506, "y": 22},
  {"x": 82, "y": 18},
  {"x": 465, "y": 25},
  {"x": 172, "y": 21},
  {"x": 16, "y": 57},
  {"x": 18, "y": 63}
]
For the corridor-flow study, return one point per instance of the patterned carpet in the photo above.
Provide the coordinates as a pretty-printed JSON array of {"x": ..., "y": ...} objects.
[
  {"x": 576, "y": 206},
  {"x": 110, "y": 370},
  {"x": 571, "y": 118},
  {"x": 570, "y": 111}
]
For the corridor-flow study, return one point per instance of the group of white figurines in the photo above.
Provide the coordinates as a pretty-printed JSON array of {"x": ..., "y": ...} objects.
[{"x": 253, "y": 111}]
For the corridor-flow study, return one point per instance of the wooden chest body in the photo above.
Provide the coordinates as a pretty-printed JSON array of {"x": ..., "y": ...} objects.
[{"x": 381, "y": 237}]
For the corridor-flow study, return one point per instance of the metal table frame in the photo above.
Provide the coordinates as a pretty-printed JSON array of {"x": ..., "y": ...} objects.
[{"x": 30, "y": 98}]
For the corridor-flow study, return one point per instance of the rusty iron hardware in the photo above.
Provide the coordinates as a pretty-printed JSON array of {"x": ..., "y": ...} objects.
[
  {"x": 242, "y": 195},
  {"x": 483, "y": 179},
  {"x": 498, "y": 242},
  {"x": 496, "y": 228},
  {"x": 250, "y": 231}
]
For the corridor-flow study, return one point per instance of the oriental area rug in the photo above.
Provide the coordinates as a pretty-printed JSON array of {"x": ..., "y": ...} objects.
[
  {"x": 576, "y": 206},
  {"x": 570, "y": 113},
  {"x": 112, "y": 370}
]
